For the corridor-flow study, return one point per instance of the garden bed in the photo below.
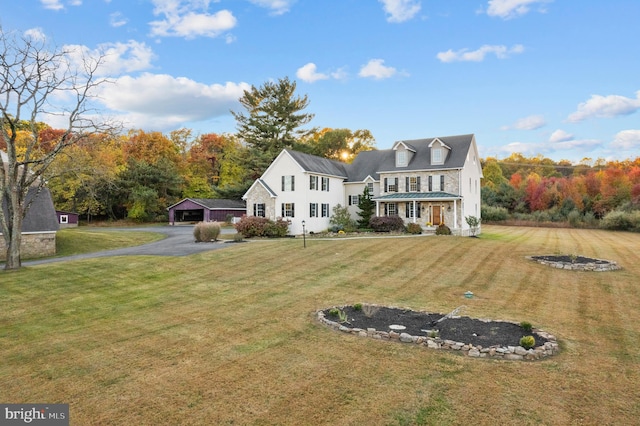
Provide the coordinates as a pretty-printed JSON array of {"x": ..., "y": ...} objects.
[{"x": 479, "y": 338}]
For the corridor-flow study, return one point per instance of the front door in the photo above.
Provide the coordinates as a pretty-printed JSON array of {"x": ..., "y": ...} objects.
[{"x": 435, "y": 215}]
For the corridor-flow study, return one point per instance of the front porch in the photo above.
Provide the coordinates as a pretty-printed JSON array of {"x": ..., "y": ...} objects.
[{"x": 428, "y": 209}]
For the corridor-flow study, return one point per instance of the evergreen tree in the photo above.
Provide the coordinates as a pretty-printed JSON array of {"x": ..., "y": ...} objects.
[{"x": 367, "y": 208}]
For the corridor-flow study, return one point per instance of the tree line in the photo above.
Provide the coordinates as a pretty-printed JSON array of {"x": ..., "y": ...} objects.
[{"x": 589, "y": 194}]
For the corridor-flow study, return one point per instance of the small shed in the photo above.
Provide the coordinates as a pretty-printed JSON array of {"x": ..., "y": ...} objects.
[
  {"x": 67, "y": 219},
  {"x": 206, "y": 210}
]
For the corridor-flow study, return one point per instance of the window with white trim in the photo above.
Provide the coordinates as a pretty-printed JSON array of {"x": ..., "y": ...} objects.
[
  {"x": 354, "y": 200},
  {"x": 413, "y": 184},
  {"x": 401, "y": 158},
  {"x": 288, "y": 183},
  {"x": 325, "y": 184},
  {"x": 259, "y": 209},
  {"x": 391, "y": 209},
  {"x": 390, "y": 184},
  {"x": 288, "y": 209},
  {"x": 64, "y": 219},
  {"x": 325, "y": 210},
  {"x": 313, "y": 210},
  {"x": 370, "y": 186},
  {"x": 409, "y": 209},
  {"x": 436, "y": 155},
  {"x": 313, "y": 183},
  {"x": 436, "y": 183}
]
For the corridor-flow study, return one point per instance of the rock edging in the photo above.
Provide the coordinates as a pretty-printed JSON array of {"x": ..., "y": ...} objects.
[
  {"x": 598, "y": 265},
  {"x": 515, "y": 353}
]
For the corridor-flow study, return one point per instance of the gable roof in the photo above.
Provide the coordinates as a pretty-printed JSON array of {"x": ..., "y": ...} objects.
[
  {"x": 320, "y": 165},
  {"x": 374, "y": 162},
  {"x": 215, "y": 203},
  {"x": 41, "y": 216}
]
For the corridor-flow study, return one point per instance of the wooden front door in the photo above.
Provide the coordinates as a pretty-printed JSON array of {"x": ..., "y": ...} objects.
[{"x": 435, "y": 214}]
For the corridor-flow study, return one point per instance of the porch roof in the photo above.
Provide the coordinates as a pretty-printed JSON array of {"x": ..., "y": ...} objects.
[{"x": 418, "y": 196}]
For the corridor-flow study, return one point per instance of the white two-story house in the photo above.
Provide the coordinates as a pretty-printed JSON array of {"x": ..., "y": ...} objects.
[{"x": 426, "y": 181}]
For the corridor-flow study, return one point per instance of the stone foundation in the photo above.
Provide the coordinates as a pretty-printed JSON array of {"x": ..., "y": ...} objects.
[
  {"x": 516, "y": 353},
  {"x": 33, "y": 245}
]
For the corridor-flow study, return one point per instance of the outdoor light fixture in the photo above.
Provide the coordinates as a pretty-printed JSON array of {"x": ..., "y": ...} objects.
[{"x": 304, "y": 235}]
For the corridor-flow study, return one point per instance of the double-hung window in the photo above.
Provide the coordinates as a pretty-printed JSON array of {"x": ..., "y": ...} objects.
[
  {"x": 370, "y": 186},
  {"x": 288, "y": 209},
  {"x": 391, "y": 209},
  {"x": 325, "y": 184},
  {"x": 390, "y": 184},
  {"x": 436, "y": 183},
  {"x": 288, "y": 183},
  {"x": 409, "y": 211},
  {"x": 325, "y": 210},
  {"x": 313, "y": 183},
  {"x": 313, "y": 210},
  {"x": 413, "y": 184},
  {"x": 258, "y": 210},
  {"x": 354, "y": 200}
]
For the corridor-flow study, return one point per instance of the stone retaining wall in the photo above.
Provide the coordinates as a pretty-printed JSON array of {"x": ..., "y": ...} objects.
[
  {"x": 517, "y": 353},
  {"x": 33, "y": 245}
]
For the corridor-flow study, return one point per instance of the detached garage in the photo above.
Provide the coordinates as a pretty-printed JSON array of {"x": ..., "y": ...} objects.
[{"x": 205, "y": 210}]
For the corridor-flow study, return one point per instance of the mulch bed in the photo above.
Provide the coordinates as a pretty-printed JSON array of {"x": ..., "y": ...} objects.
[
  {"x": 459, "y": 329},
  {"x": 570, "y": 259}
]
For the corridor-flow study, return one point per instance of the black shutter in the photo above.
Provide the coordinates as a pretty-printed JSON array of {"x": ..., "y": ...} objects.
[
  {"x": 430, "y": 183},
  {"x": 282, "y": 209},
  {"x": 386, "y": 185},
  {"x": 293, "y": 206},
  {"x": 282, "y": 183},
  {"x": 397, "y": 184},
  {"x": 254, "y": 210},
  {"x": 407, "y": 206},
  {"x": 418, "y": 209},
  {"x": 441, "y": 182},
  {"x": 293, "y": 186},
  {"x": 406, "y": 184},
  {"x": 418, "y": 183}
]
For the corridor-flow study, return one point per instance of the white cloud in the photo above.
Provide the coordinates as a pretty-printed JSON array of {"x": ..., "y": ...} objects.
[
  {"x": 116, "y": 57},
  {"x": 35, "y": 34},
  {"x": 309, "y": 74},
  {"x": 400, "y": 10},
  {"x": 161, "y": 101},
  {"x": 57, "y": 4},
  {"x": 627, "y": 139},
  {"x": 189, "y": 19},
  {"x": 531, "y": 122},
  {"x": 605, "y": 107},
  {"x": 375, "y": 68},
  {"x": 560, "y": 136},
  {"x": 501, "y": 52},
  {"x": 278, "y": 7},
  {"x": 577, "y": 148},
  {"x": 117, "y": 20},
  {"x": 507, "y": 9}
]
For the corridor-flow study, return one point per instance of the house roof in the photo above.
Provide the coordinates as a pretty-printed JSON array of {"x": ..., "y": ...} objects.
[
  {"x": 384, "y": 161},
  {"x": 41, "y": 216},
  {"x": 320, "y": 165},
  {"x": 418, "y": 196},
  {"x": 215, "y": 203}
]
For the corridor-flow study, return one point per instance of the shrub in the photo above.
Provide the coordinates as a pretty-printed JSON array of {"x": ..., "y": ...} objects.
[
  {"x": 341, "y": 219},
  {"x": 206, "y": 231},
  {"x": 237, "y": 237},
  {"x": 526, "y": 326},
  {"x": 575, "y": 218},
  {"x": 527, "y": 342},
  {"x": 357, "y": 307},
  {"x": 474, "y": 224},
  {"x": 494, "y": 214},
  {"x": 414, "y": 228},
  {"x": 386, "y": 223},
  {"x": 254, "y": 226},
  {"x": 443, "y": 229},
  {"x": 621, "y": 221}
]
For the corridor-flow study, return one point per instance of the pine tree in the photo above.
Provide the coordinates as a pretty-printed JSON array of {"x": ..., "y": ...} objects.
[{"x": 367, "y": 208}]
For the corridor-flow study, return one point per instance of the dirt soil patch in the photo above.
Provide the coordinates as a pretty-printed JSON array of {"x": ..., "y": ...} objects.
[
  {"x": 477, "y": 332},
  {"x": 571, "y": 259}
]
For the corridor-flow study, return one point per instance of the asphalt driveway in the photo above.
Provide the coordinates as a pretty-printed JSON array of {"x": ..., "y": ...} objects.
[{"x": 179, "y": 241}]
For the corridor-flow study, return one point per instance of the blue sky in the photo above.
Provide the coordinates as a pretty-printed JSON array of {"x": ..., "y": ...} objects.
[{"x": 552, "y": 77}]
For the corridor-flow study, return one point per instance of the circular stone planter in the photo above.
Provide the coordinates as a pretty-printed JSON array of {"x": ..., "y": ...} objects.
[
  {"x": 431, "y": 340},
  {"x": 576, "y": 263}
]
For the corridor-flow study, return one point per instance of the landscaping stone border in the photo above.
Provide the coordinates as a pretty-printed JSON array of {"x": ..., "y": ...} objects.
[
  {"x": 515, "y": 353},
  {"x": 598, "y": 265}
]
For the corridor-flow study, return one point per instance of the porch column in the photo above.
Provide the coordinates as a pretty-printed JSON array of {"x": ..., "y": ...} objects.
[
  {"x": 414, "y": 211},
  {"x": 455, "y": 214},
  {"x": 377, "y": 208}
]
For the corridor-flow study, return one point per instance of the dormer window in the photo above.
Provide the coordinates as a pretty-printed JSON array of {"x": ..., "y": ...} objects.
[
  {"x": 436, "y": 155},
  {"x": 401, "y": 159}
]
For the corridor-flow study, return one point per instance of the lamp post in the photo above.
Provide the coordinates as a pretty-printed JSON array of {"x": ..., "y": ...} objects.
[{"x": 304, "y": 235}]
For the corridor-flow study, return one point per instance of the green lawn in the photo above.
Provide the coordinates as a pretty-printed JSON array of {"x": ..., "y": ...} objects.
[{"x": 229, "y": 336}]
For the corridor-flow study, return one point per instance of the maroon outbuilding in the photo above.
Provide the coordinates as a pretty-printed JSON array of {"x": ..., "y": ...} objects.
[{"x": 191, "y": 210}]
